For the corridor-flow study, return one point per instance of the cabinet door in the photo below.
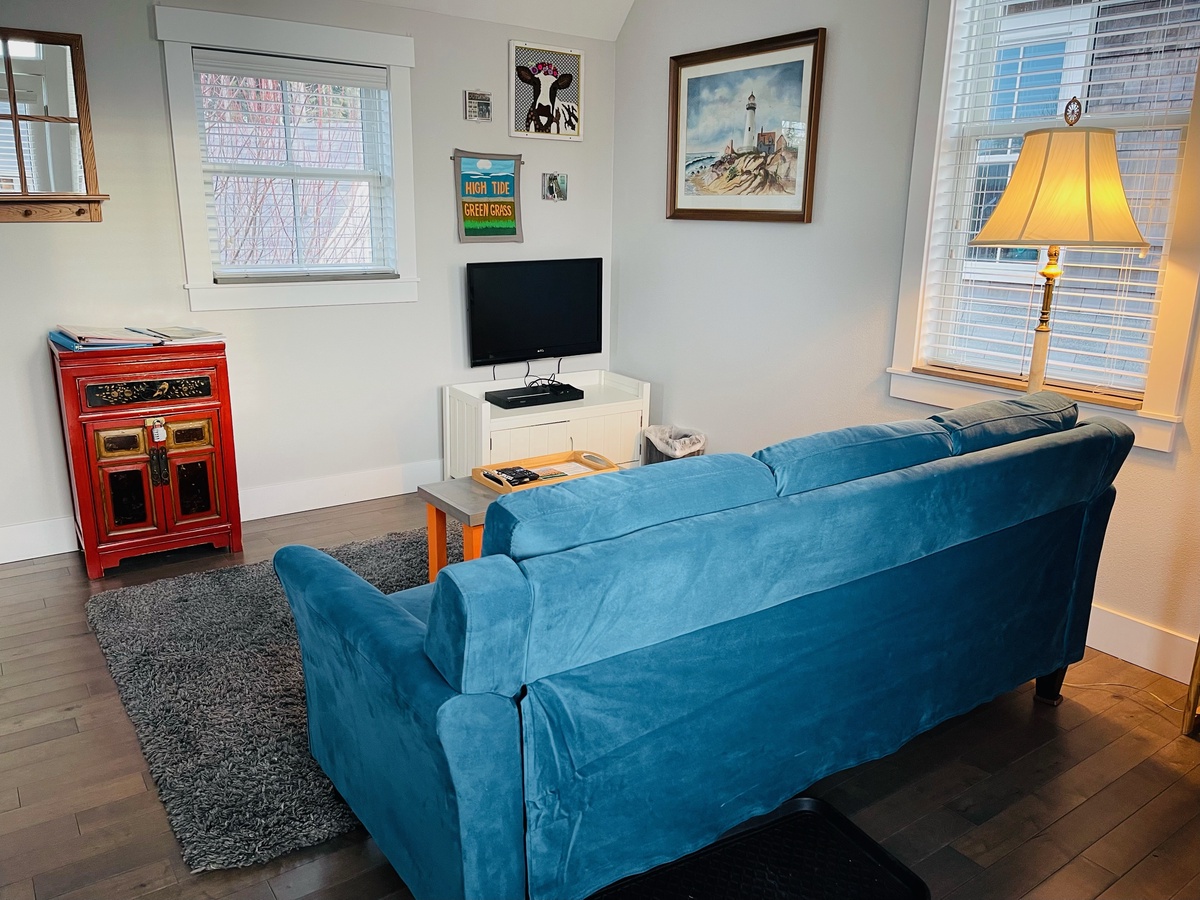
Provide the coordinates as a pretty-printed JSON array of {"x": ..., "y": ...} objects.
[
  {"x": 535, "y": 440},
  {"x": 126, "y": 500},
  {"x": 617, "y": 435},
  {"x": 120, "y": 462},
  {"x": 192, "y": 488}
]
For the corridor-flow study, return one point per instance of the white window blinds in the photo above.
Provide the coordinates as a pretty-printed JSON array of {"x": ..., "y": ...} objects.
[
  {"x": 296, "y": 156},
  {"x": 1132, "y": 63}
]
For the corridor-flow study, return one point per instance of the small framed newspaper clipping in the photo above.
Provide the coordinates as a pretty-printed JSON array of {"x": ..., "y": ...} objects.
[{"x": 477, "y": 106}]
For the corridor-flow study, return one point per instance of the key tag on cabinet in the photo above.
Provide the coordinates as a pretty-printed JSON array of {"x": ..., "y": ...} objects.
[{"x": 158, "y": 431}]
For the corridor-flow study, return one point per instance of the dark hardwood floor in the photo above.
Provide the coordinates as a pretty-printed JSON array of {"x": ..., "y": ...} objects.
[{"x": 1097, "y": 798}]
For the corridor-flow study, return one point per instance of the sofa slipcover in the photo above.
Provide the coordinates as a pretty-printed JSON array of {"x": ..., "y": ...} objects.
[{"x": 646, "y": 659}]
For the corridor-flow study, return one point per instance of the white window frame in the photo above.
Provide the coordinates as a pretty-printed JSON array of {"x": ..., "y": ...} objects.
[
  {"x": 980, "y": 123},
  {"x": 182, "y": 29},
  {"x": 1156, "y": 422}
]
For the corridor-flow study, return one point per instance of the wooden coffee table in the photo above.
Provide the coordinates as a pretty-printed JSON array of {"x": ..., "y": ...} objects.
[{"x": 465, "y": 501}]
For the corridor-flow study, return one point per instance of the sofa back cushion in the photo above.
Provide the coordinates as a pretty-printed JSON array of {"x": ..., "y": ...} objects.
[
  {"x": 558, "y": 517},
  {"x": 604, "y": 599},
  {"x": 833, "y": 457},
  {"x": 996, "y": 422}
]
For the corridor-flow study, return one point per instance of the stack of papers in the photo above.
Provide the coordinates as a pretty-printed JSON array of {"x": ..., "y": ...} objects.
[
  {"x": 181, "y": 334},
  {"x": 96, "y": 334},
  {"x": 94, "y": 337}
]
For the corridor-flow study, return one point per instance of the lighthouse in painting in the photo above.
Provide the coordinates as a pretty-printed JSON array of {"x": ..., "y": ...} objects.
[{"x": 749, "y": 143}]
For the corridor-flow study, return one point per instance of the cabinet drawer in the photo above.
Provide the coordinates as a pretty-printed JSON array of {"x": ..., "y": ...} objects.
[
  {"x": 615, "y": 435},
  {"x": 150, "y": 390},
  {"x": 119, "y": 443},
  {"x": 536, "y": 440}
]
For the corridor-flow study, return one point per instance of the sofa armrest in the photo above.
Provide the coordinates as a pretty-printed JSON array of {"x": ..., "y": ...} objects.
[
  {"x": 434, "y": 775},
  {"x": 383, "y": 634}
]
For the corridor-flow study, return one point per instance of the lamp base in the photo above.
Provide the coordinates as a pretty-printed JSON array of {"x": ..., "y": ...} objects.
[{"x": 1041, "y": 335}]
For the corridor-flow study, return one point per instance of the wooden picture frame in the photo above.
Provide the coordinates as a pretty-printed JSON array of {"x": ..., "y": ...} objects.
[
  {"x": 547, "y": 92},
  {"x": 54, "y": 178},
  {"x": 725, "y": 159}
]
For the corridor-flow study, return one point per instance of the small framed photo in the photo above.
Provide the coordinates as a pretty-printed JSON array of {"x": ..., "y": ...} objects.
[
  {"x": 547, "y": 92},
  {"x": 742, "y": 123},
  {"x": 477, "y": 106},
  {"x": 554, "y": 186}
]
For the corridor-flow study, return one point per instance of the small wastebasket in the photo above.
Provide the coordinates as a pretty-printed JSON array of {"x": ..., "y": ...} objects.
[{"x": 664, "y": 442}]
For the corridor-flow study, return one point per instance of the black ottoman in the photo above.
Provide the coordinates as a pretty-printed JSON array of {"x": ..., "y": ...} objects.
[{"x": 805, "y": 850}]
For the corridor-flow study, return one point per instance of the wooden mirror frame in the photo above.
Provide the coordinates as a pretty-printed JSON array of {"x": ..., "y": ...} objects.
[{"x": 33, "y": 206}]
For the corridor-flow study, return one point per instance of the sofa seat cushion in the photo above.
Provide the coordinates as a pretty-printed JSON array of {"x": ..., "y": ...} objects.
[
  {"x": 834, "y": 457},
  {"x": 558, "y": 517},
  {"x": 995, "y": 422},
  {"x": 415, "y": 601}
]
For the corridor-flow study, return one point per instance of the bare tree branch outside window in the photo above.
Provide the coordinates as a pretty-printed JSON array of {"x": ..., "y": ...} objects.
[{"x": 298, "y": 173}]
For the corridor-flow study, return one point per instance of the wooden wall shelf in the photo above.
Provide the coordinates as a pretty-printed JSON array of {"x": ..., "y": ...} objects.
[{"x": 51, "y": 208}]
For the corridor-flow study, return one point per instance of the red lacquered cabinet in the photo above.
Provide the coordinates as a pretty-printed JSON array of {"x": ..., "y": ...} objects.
[{"x": 150, "y": 449}]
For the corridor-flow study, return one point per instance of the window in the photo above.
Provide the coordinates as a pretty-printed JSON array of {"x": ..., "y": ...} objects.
[
  {"x": 293, "y": 157},
  {"x": 1011, "y": 66},
  {"x": 297, "y": 166}
]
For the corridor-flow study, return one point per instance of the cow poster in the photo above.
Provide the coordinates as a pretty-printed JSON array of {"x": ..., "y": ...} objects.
[
  {"x": 488, "y": 186},
  {"x": 547, "y": 95}
]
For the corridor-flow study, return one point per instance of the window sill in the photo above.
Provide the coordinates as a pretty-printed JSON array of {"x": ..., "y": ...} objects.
[
  {"x": 1152, "y": 431},
  {"x": 1019, "y": 386},
  {"x": 278, "y": 295}
]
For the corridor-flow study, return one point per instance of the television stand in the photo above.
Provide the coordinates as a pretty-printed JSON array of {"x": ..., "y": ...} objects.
[
  {"x": 516, "y": 398},
  {"x": 608, "y": 420}
]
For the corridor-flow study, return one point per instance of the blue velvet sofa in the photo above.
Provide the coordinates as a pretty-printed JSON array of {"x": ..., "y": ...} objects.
[{"x": 642, "y": 660}]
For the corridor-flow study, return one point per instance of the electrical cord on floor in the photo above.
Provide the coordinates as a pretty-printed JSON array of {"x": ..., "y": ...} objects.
[{"x": 1101, "y": 684}]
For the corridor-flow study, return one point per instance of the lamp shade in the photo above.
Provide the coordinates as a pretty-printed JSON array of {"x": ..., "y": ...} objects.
[{"x": 1065, "y": 189}]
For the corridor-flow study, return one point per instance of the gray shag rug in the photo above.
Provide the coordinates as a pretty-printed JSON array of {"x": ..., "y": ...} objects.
[{"x": 208, "y": 668}]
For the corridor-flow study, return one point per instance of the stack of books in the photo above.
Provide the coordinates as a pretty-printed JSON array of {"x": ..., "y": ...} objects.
[{"x": 90, "y": 337}]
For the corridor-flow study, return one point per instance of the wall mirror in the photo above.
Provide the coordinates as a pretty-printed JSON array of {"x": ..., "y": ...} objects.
[{"x": 47, "y": 164}]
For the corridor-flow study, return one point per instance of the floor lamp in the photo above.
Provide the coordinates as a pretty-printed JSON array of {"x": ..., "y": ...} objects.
[{"x": 1065, "y": 190}]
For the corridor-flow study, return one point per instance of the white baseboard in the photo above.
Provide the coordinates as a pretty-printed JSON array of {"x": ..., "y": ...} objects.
[
  {"x": 1149, "y": 646},
  {"x": 334, "y": 490},
  {"x": 30, "y": 540}
]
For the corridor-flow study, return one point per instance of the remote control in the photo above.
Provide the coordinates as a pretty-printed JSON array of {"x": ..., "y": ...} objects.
[{"x": 516, "y": 475}]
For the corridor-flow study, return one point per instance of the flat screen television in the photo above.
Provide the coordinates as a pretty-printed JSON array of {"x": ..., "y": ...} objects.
[{"x": 533, "y": 309}]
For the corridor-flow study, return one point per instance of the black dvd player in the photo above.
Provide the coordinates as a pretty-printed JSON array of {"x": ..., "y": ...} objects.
[{"x": 515, "y": 398}]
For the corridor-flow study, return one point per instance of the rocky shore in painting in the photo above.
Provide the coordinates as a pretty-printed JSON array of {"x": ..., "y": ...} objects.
[{"x": 745, "y": 173}]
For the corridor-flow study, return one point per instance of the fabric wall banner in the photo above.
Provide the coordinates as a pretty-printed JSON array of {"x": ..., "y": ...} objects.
[{"x": 488, "y": 190}]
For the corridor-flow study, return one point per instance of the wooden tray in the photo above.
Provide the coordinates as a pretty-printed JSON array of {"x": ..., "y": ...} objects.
[{"x": 593, "y": 462}]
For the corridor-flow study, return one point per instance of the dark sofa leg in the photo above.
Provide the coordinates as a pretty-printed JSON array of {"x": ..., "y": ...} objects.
[{"x": 1049, "y": 687}]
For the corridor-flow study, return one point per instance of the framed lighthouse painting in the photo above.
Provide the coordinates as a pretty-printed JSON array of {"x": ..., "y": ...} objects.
[{"x": 742, "y": 141}]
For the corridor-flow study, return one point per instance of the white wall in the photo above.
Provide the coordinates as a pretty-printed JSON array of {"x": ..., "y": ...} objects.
[
  {"x": 754, "y": 333},
  {"x": 330, "y": 404}
]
